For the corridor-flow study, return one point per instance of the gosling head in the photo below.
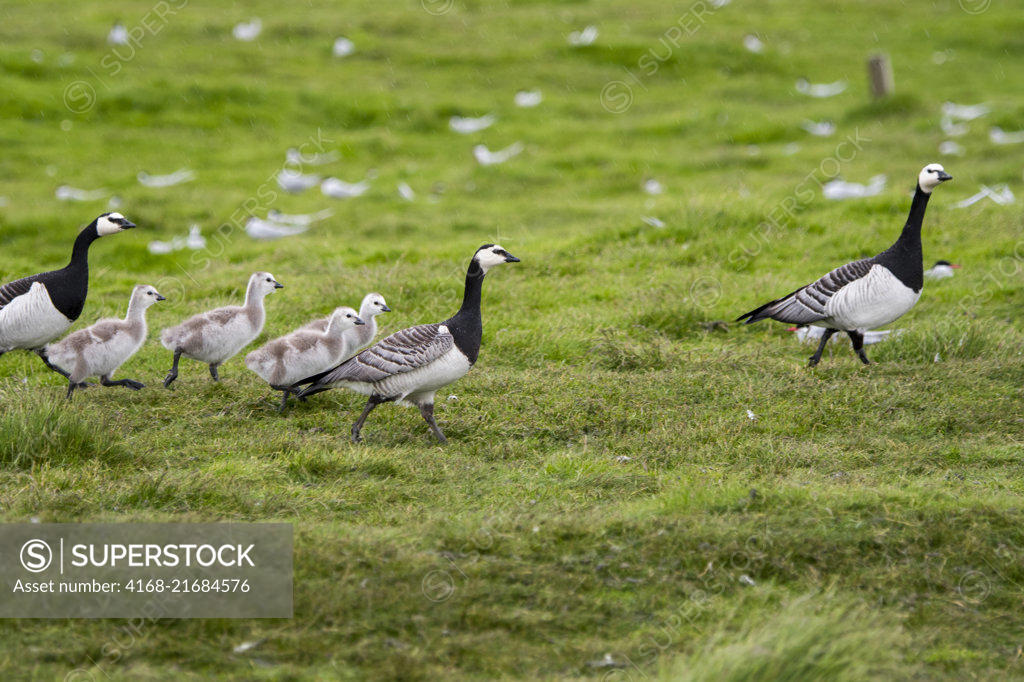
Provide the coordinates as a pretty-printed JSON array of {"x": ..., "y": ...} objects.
[
  {"x": 263, "y": 283},
  {"x": 345, "y": 318},
  {"x": 111, "y": 223},
  {"x": 145, "y": 295},
  {"x": 489, "y": 255},
  {"x": 932, "y": 176},
  {"x": 373, "y": 305}
]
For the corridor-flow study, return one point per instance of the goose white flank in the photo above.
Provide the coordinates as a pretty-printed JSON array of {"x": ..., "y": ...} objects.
[
  {"x": 100, "y": 349},
  {"x": 867, "y": 293},
  {"x": 411, "y": 365},
  {"x": 486, "y": 157},
  {"x": 216, "y": 336},
  {"x": 466, "y": 126},
  {"x": 169, "y": 180}
]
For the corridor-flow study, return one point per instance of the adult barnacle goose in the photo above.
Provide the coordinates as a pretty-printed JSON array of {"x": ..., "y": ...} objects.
[
  {"x": 216, "y": 336},
  {"x": 410, "y": 366},
  {"x": 37, "y": 309},
  {"x": 100, "y": 349},
  {"x": 305, "y": 351},
  {"x": 867, "y": 293}
]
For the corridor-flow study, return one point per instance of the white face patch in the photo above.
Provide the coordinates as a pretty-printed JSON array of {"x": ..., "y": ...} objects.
[
  {"x": 491, "y": 256},
  {"x": 105, "y": 225},
  {"x": 928, "y": 179}
]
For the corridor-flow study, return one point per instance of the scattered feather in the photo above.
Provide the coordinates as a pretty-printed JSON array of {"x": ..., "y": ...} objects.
[
  {"x": 999, "y": 136},
  {"x": 486, "y": 157},
  {"x": 653, "y": 187},
  {"x": 247, "y": 646},
  {"x": 964, "y": 112},
  {"x": 247, "y": 31},
  {"x": 840, "y": 189},
  {"x": 405, "y": 191},
  {"x": 268, "y": 229},
  {"x": 583, "y": 38},
  {"x": 823, "y": 129},
  {"x": 176, "y": 178},
  {"x": 528, "y": 98},
  {"x": 466, "y": 125},
  {"x": 118, "y": 34},
  {"x": 753, "y": 43},
  {"x": 293, "y": 181},
  {"x": 343, "y": 47},
  {"x": 747, "y": 580},
  {"x": 751, "y": 416},
  {"x": 652, "y": 221},
  {"x": 820, "y": 90},
  {"x": 339, "y": 189},
  {"x": 194, "y": 241}
]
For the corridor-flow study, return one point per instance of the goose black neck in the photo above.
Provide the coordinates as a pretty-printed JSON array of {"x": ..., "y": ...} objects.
[
  {"x": 905, "y": 258},
  {"x": 80, "y": 252},
  {"x": 466, "y": 326}
]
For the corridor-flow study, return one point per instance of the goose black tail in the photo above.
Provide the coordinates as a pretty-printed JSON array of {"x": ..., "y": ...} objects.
[
  {"x": 312, "y": 385},
  {"x": 757, "y": 314}
]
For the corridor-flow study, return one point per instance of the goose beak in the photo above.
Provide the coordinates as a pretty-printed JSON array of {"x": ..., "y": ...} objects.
[
  {"x": 511, "y": 259},
  {"x": 126, "y": 224},
  {"x": 359, "y": 320},
  {"x": 161, "y": 298},
  {"x": 385, "y": 309},
  {"x": 955, "y": 266},
  {"x": 943, "y": 176},
  {"x": 278, "y": 285}
]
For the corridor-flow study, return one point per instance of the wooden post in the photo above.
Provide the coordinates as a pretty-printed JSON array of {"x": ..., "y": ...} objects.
[{"x": 880, "y": 74}]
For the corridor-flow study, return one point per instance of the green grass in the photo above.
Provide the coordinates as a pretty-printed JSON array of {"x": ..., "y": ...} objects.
[{"x": 603, "y": 490}]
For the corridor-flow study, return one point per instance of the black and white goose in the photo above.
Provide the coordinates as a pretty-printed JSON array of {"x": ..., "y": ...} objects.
[
  {"x": 411, "y": 365},
  {"x": 942, "y": 269},
  {"x": 867, "y": 293},
  {"x": 39, "y": 308}
]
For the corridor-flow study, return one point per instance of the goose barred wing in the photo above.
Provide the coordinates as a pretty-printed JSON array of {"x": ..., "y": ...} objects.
[
  {"x": 401, "y": 352},
  {"x": 13, "y": 290},
  {"x": 808, "y": 304}
]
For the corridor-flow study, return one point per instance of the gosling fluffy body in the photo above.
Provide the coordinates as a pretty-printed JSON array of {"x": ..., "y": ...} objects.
[
  {"x": 216, "y": 336},
  {"x": 101, "y": 349}
]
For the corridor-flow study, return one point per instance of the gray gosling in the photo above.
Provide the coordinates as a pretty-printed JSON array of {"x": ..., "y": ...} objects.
[
  {"x": 216, "y": 336},
  {"x": 304, "y": 352},
  {"x": 358, "y": 338},
  {"x": 101, "y": 349}
]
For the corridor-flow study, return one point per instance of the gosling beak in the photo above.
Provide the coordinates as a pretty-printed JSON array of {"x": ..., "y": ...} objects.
[
  {"x": 955, "y": 266},
  {"x": 278, "y": 285},
  {"x": 161, "y": 298},
  {"x": 511, "y": 259},
  {"x": 943, "y": 176},
  {"x": 359, "y": 320},
  {"x": 385, "y": 309}
]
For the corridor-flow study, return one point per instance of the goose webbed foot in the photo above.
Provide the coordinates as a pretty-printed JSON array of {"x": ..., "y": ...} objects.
[
  {"x": 857, "y": 339},
  {"x": 427, "y": 410},
  {"x": 173, "y": 374},
  {"x": 213, "y": 371},
  {"x": 816, "y": 358},
  {"x": 72, "y": 385},
  {"x": 127, "y": 383}
]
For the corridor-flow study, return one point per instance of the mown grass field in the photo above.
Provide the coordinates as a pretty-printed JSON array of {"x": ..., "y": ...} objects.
[{"x": 603, "y": 491}]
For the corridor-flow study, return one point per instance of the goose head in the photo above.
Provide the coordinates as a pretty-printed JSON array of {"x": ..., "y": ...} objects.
[
  {"x": 345, "y": 318},
  {"x": 144, "y": 295},
  {"x": 263, "y": 283},
  {"x": 112, "y": 223},
  {"x": 931, "y": 176},
  {"x": 373, "y": 304},
  {"x": 489, "y": 255}
]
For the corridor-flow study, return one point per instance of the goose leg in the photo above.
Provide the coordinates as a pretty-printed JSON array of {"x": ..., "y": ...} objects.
[
  {"x": 371, "y": 403},
  {"x": 427, "y": 410},
  {"x": 72, "y": 385},
  {"x": 46, "y": 361},
  {"x": 816, "y": 358},
  {"x": 284, "y": 400},
  {"x": 127, "y": 383},
  {"x": 858, "y": 346},
  {"x": 213, "y": 371},
  {"x": 173, "y": 374}
]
